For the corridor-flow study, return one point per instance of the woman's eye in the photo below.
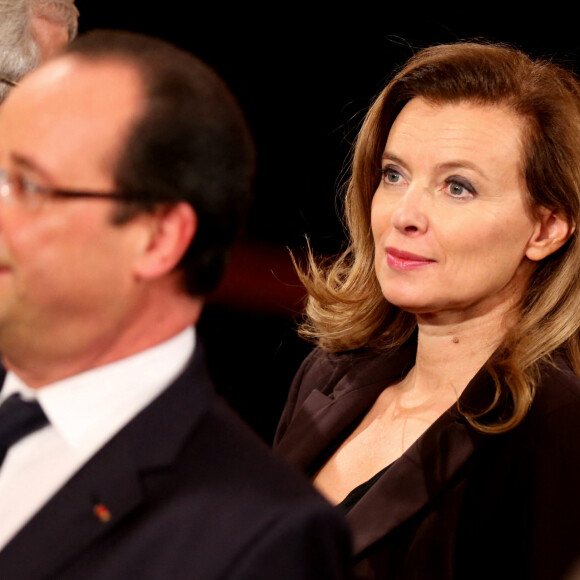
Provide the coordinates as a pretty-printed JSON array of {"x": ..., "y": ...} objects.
[
  {"x": 459, "y": 188},
  {"x": 390, "y": 175}
]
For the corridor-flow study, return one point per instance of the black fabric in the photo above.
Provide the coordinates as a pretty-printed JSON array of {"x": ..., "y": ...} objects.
[
  {"x": 18, "y": 418},
  {"x": 359, "y": 491},
  {"x": 185, "y": 490},
  {"x": 459, "y": 504}
]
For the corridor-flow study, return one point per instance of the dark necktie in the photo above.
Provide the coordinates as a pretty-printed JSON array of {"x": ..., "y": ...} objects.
[{"x": 18, "y": 418}]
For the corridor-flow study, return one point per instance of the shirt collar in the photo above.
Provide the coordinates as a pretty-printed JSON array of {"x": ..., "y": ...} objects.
[{"x": 90, "y": 407}]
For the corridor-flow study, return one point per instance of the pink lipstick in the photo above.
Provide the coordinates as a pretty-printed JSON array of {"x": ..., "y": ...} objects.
[{"x": 400, "y": 260}]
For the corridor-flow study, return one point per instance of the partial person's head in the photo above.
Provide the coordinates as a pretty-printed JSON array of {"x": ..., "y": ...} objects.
[
  {"x": 190, "y": 144},
  {"x": 451, "y": 116},
  {"x": 454, "y": 226},
  {"x": 31, "y": 31},
  {"x": 131, "y": 198},
  {"x": 539, "y": 97}
]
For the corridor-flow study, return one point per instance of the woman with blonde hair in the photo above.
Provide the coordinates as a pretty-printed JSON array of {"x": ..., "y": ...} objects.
[{"x": 441, "y": 407}]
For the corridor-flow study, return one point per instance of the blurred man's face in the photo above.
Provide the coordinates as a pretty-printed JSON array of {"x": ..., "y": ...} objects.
[{"x": 65, "y": 270}]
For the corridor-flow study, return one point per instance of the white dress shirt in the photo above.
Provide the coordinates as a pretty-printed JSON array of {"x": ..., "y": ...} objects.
[{"x": 84, "y": 412}]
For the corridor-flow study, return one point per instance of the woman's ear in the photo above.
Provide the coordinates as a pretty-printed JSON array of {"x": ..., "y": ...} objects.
[
  {"x": 170, "y": 232},
  {"x": 551, "y": 232}
]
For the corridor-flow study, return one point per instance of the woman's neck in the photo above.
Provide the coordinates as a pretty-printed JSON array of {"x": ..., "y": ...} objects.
[{"x": 450, "y": 352}]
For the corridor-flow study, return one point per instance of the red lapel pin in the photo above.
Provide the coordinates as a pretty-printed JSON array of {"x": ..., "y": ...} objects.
[{"x": 102, "y": 512}]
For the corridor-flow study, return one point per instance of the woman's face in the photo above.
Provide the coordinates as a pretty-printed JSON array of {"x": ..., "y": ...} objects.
[{"x": 450, "y": 221}]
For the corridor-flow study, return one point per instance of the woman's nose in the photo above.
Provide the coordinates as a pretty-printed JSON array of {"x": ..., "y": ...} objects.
[{"x": 409, "y": 216}]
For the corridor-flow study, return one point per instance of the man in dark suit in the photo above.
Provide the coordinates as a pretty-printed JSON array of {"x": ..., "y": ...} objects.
[{"x": 125, "y": 168}]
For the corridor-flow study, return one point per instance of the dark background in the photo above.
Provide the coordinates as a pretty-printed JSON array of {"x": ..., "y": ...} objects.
[{"x": 305, "y": 75}]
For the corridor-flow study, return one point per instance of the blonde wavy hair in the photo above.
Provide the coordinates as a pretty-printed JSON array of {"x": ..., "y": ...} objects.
[{"x": 346, "y": 309}]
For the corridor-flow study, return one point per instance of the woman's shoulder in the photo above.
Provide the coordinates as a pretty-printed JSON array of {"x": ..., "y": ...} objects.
[
  {"x": 331, "y": 373},
  {"x": 554, "y": 416},
  {"x": 325, "y": 369},
  {"x": 325, "y": 375},
  {"x": 558, "y": 390},
  {"x": 321, "y": 360}
]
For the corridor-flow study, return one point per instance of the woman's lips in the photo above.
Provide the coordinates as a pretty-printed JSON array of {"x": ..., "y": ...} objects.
[{"x": 400, "y": 260}]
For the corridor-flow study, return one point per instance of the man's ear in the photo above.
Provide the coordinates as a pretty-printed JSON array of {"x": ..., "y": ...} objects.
[
  {"x": 551, "y": 232},
  {"x": 170, "y": 232}
]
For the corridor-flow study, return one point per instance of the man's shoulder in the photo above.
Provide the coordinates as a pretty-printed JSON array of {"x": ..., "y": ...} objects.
[
  {"x": 220, "y": 457},
  {"x": 230, "y": 450},
  {"x": 192, "y": 489},
  {"x": 227, "y": 481}
]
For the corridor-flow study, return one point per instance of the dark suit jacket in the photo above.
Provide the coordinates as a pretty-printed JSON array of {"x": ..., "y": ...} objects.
[
  {"x": 192, "y": 493},
  {"x": 459, "y": 503}
]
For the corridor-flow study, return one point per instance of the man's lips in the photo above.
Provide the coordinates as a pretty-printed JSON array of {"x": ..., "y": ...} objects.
[{"x": 401, "y": 260}]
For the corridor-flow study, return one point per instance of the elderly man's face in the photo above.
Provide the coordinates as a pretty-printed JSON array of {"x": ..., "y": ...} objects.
[{"x": 65, "y": 270}]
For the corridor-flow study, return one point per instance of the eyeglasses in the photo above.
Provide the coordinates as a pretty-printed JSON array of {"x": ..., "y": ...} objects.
[
  {"x": 8, "y": 81},
  {"x": 26, "y": 192}
]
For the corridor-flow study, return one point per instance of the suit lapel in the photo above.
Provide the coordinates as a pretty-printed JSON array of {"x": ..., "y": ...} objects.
[
  {"x": 320, "y": 420},
  {"x": 111, "y": 485},
  {"x": 327, "y": 412},
  {"x": 412, "y": 481},
  {"x": 423, "y": 471}
]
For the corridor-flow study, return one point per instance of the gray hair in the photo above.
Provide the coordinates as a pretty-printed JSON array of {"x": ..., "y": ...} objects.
[{"x": 19, "y": 51}]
